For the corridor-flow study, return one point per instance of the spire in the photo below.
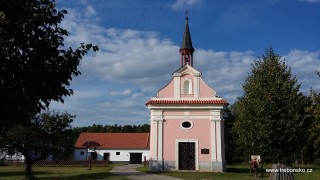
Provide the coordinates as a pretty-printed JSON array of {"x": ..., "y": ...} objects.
[{"x": 186, "y": 49}]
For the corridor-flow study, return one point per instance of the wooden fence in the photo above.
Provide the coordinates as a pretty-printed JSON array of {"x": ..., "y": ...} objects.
[{"x": 60, "y": 163}]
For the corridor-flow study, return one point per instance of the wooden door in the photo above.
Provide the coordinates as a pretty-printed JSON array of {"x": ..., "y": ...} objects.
[
  {"x": 187, "y": 156},
  {"x": 106, "y": 156},
  {"x": 135, "y": 158}
]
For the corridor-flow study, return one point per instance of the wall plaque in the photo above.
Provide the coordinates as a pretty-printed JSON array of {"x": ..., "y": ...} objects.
[{"x": 205, "y": 151}]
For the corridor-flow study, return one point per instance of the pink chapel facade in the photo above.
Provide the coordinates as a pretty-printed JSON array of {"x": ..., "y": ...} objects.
[{"x": 186, "y": 121}]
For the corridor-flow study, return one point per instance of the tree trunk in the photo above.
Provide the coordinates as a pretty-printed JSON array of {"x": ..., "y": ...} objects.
[
  {"x": 281, "y": 172},
  {"x": 29, "y": 162},
  {"x": 27, "y": 172}
]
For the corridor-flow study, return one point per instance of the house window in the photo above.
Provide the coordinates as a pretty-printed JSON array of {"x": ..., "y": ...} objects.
[
  {"x": 117, "y": 153},
  {"x": 82, "y": 153},
  {"x": 187, "y": 87},
  {"x": 186, "y": 124}
]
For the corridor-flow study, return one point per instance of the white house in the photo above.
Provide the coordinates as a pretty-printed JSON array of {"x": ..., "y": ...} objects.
[
  {"x": 117, "y": 147},
  {"x": 13, "y": 157}
]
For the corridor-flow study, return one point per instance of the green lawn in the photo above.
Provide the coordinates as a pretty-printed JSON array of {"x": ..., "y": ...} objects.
[
  {"x": 17, "y": 172},
  {"x": 233, "y": 172},
  {"x": 314, "y": 175},
  {"x": 238, "y": 172}
]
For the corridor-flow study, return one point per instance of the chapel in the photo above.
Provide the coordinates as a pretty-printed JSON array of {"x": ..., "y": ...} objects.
[{"x": 186, "y": 120}]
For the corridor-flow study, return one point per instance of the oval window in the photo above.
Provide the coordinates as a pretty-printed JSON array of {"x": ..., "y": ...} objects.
[{"x": 186, "y": 124}]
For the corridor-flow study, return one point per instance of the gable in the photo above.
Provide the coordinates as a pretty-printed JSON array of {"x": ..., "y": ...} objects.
[
  {"x": 187, "y": 70},
  {"x": 186, "y": 84},
  {"x": 115, "y": 140}
]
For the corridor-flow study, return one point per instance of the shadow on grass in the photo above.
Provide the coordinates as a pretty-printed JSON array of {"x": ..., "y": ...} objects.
[
  {"x": 19, "y": 173},
  {"x": 238, "y": 170},
  {"x": 98, "y": 175},
  {"x": 12, "y": 173}
]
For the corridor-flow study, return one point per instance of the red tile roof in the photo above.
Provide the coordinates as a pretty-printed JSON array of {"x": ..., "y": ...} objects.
[
  {"x": 115, "y": 140},
  {"x": 166, "y": 101}
]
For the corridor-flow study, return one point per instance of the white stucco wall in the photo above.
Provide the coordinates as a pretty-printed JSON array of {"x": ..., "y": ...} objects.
[{"x": 123, "y": 156}]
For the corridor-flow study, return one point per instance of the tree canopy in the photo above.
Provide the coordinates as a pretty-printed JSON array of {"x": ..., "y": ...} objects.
[
  {"x": 270, "y": 116},
  {"x": 312, "y": 145},
  {"x": 35, "y": 65}
]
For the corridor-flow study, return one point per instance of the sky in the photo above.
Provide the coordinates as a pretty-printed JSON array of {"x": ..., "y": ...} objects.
[{"x": 139, "y": 45}]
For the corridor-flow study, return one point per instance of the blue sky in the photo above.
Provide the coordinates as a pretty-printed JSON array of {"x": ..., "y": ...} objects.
[{"x": 139, "y": 43}]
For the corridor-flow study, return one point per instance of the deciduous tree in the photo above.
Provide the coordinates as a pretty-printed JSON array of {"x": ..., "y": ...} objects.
[
  {"x": 271, "y": 114},
  {"x": 48, "y": 136},
  {"x": 311, "y": 150},
  {"x": 35, "y": 65}
]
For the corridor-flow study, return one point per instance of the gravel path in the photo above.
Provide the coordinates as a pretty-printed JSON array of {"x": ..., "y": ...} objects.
[{"x": 130, "y": 172}]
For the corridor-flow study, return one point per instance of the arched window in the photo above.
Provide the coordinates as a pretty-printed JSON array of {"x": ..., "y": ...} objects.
[{"x": 187, "y": 87}]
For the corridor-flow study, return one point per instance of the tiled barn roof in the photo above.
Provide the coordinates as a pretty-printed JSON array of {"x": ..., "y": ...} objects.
[{"x": 115, "y": 140}]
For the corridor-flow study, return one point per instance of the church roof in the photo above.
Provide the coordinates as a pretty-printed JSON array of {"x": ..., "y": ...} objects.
[
  {"x": 186, "y": 101},
  {"x": 114, "y": 140},
  {"x": 187, "y": 42}
]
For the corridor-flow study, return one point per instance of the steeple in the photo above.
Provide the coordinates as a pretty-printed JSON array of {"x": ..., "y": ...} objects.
[{"x": 186, "y": 49}]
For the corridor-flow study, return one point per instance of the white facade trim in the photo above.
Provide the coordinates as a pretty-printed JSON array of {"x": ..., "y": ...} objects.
[
  {"x": 216, "y": 135},
  {"x": 191, "y": 117},
  {"x": 194, "y": 107},
  {"x": 213, "y": 141},
  {"x": 196, "y": 84},
  {"x": 157, "y": 134},
  {"x": 177, "y": 87},
  {"x": 160, "y": 140},
  {"x": 153, "y": 142}
]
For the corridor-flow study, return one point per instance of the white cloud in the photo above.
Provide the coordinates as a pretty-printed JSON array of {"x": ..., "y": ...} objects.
[
  {"x": 90, "y": 11},
  {"x": 305, "y": 64},
  {"x": 132, "y": 56},
  {"x": 132, "y": 65},
  {"x": 184, "y": 4},
  {"x": 224, "y": 71},
  {"x": 121, "y": 93}
]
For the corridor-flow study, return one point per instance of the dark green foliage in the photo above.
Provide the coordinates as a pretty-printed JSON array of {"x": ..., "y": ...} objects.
[
  {"x": 35, "y": 67},
  {"x": 270, "y": 116},
  {"x": 232, "y": 148},
  {"x": 311, "y": 151}
]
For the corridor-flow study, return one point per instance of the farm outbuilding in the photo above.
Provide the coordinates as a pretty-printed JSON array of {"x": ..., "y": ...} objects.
[{"x": 116, "y": 147}]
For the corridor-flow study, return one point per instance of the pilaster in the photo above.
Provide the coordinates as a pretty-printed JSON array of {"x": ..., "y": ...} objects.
[
  {"x": 196, "y": 86},
  {"x": 177, "y": 85},
  {"x": 157, "y": 135}
]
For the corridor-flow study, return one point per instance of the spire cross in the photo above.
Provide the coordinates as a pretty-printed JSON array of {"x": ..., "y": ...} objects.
[
  {"x": 187, "y": 18},
  {"x": 186, "y": 49}
]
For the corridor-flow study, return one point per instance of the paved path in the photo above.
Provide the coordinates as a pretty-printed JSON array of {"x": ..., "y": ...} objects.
[{"x": 130, "y": 172}]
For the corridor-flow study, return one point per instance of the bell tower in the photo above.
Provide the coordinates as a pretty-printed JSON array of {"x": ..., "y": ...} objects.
[{"x": 186, "y": 49}]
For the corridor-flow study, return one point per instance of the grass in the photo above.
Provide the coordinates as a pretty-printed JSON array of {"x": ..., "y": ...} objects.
[
  {"x": 17, "y": 172},
  {"x": 233, "y": 172},
  {"x": 237, "y": 172},
  {"x": 315, "y": 174}
]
